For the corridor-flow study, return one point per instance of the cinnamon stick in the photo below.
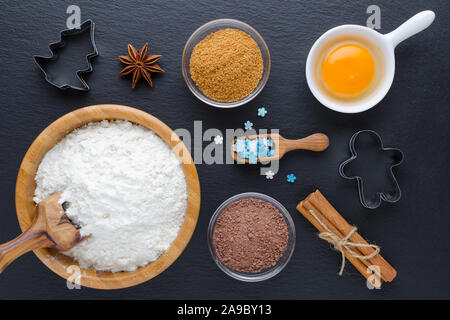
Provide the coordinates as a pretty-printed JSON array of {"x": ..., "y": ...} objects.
[
  {"x": 358, "y": 264},
  {"x": 336, "y": 224},
  {"x": 309, "y": 206},
  {"x": 388, "y": 273}
]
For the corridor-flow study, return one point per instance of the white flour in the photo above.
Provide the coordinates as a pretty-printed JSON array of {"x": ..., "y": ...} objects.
[{"x": 124, "y": 186}]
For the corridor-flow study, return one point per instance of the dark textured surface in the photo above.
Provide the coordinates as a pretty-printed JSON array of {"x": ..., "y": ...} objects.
[{"x": 414, "y": 117}]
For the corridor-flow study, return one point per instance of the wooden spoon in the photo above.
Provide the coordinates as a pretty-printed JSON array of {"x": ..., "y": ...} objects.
[
  {"x": 50, "y": 229},
  {"x": 314, "y": 142}
]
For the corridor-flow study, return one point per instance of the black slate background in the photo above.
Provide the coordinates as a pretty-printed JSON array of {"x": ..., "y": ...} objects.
[{"x": 414, "y": 233}]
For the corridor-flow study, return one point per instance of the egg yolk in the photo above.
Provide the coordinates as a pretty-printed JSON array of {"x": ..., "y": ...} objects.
[{"x": 348, "y": 70}]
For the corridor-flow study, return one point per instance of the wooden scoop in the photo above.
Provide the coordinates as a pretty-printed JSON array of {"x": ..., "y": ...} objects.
[
  {"x": 314, "y": 142},
  {"x": 50, "y": 229}
]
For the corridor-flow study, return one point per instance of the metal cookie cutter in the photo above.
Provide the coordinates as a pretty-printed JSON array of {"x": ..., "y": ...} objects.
[
  {"x": 376, "y": 164},
  {"x": 87, "y": 26}
]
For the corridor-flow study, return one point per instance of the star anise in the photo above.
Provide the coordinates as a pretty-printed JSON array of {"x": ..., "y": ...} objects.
[{"x": 140, "y": 64}]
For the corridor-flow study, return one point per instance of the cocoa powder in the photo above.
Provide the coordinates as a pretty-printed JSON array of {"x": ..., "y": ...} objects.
[{"x": 250, "y": 235}]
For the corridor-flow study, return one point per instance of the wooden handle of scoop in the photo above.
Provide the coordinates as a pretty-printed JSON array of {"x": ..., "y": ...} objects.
[
  {"x": 33, "y": 238},
  {"x": 314, "y": 142}
]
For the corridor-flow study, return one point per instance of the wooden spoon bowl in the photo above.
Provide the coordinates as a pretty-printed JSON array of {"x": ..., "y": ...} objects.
[
  {"x": 315, "y": 142},
  {"x": 26, "y": 208},
  {"x": 51, "y": 228}
]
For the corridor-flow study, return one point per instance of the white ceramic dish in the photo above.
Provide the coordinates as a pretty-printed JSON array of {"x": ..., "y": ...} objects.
[{"x": 385, "y": 45}]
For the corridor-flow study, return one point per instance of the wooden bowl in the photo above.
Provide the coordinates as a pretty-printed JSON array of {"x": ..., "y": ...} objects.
[{"x": 26, "y": 208}]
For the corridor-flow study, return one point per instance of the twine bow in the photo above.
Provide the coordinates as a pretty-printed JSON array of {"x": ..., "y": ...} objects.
[{"x": 344, "y": 243}]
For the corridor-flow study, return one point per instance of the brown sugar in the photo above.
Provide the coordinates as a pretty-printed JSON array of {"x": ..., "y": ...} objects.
[
  {"x": 227, "y": 65},
  {"x": 250, "y": 235}
]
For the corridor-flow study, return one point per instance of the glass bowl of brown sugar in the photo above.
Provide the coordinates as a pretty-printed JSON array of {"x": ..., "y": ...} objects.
[
  {"x": 226, "y": 63},
  {"x": 251, "y": 237}
]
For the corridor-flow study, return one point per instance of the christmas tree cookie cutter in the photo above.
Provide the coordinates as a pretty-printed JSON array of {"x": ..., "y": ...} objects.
[
  {"x": 66, "y": 35},
  {"x": 376, "y": 165}
]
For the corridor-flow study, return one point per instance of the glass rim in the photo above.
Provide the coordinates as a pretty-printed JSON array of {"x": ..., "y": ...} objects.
[
  {"x": 227, "y": 22},
  {"x": 269, "y": 272}
]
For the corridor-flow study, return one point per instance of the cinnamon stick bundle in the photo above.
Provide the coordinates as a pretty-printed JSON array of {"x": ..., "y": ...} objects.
[{"x": 317, "y": 210}]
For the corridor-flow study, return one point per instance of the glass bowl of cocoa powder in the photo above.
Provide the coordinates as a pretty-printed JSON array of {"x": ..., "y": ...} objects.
[
  {"x": 251, "y": 237},
  {"x": 226, "y": 63}
]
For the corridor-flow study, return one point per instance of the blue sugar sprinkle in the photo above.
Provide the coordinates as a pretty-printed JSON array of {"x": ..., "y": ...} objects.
[
  {"x": 242, "y": 154},
  {"x": 291, "y": 178},
  {"x": 248, "y": 125},
  {"x": 240, "y": 145},
  {"x": 252, "y": 159},
  {"x": 262, "y": 112},
  {"x": 262, "y": 151},
  {"x": 253, "y": 146}
]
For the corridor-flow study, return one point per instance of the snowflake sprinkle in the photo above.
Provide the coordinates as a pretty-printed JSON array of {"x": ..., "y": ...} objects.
[
  {"x": 248, "y": 125},
  {"x": 218, "y": 139},
  {"x": 291, "y": 178},
  {"x": 262, "y": 112},
  {"x": 269, "y": 174}
]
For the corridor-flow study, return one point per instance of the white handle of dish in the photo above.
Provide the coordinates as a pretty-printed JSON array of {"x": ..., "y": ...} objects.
[{"x": 414, "y": 25}]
